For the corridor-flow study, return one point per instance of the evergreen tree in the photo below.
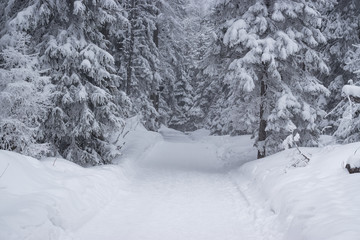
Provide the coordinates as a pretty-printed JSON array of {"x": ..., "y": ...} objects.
[
  {"x": 348, "y": 110},
  {"x": 342, "y": 29},
  {"x": 74, "y": 40},
  {"x": 174, "y": 47},
  {"x": 207, "y": 69},
  {"x": 271, "y": 47},
  {"x": 23, "y": 96},
  {"x": 141, "y": 60}
]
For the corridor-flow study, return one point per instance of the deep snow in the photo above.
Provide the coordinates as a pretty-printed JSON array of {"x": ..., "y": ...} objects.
[{"x": 170, "y": 185}]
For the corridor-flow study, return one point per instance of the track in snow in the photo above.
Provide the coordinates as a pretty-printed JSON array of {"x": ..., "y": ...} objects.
[{"x": 180, "y": 192}]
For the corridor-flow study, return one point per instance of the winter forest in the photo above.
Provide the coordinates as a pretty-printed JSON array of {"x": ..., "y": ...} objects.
[
  {"x": 72, "y": 71},
  {"x": 78, "y": 78}
]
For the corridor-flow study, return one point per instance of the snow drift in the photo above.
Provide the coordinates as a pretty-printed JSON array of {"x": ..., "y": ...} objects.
[
  {"x": 41, "y": 200},
  {"x": 51, "y": 198},
  {"x": 318, "y": 201}
]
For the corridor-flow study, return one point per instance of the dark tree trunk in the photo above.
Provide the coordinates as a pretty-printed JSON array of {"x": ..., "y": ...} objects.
[
  {"x": 263, "y": 122},
  {"x": 129, "y": 64},
  {"x": 156, "y": 36},
  {"x": 131, "y": 43},
  {"x": 268, "y": 3},
  {"x": 155, "y": 100}
]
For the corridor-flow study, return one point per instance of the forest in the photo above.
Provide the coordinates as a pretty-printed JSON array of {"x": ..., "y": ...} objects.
[
  {"x": 179, "y": 119},
  {"x": 72, "y": 72}
]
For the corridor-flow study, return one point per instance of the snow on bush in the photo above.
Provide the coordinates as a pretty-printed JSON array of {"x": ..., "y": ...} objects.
[{"x": 351, "y": 91}]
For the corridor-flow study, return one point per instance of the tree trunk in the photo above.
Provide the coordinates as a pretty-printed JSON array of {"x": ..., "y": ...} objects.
[
  {"x": 156, "y": 36},
  {"x": 129, "y": 64},
  {"x": 263, "y": 122},
  {"x": 268, "y": 3},
  {"x": 129, "y": 67}
]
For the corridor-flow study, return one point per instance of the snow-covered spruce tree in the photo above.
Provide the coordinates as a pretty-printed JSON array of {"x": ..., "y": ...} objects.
[
  {"x": 141, "y": 59},
  {"x": 208, "y": 72},
  {"x": 175, "y": 62},
  {"x": 215, "y": 106},
  {"x": 271, "y": 46},
  {"x": 2, "y": 15},
  {"x": 23, "y": 96},
  {"x": 349, "y": 107},
  {"x": 198, "y": 31},
  {"x": 342, "y": 29},
  {"x": 74, "y": 40}
]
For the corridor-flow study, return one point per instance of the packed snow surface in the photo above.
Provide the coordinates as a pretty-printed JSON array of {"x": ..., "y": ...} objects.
[
  {"x": 181, "y": 190},
  {"x": 170, "y": 185}
]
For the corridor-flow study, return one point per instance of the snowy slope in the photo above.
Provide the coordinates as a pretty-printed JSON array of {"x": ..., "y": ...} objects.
[
  {"x": 39, "y": 200},
  {"x": 319, "y": 201},
  {"x": 49, "y": 199}
]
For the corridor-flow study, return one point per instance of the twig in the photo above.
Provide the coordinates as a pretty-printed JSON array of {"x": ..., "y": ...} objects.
[
  {"x": 334, "y": 109},
  {"x": 356, "y": 150},
  {"x": 5, "y": 170},
  {"x": 306, "y": 157},
  {"x": 126, "y": 134},
  {"x": 54, "y": 161}
]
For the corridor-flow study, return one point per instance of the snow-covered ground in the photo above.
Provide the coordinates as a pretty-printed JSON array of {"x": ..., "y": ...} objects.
[
  {"x": 49, "y": 199},
  {"x": 180, "y": 191},
  {"x": 318, "y": 201},
  {"x": 170, "y": 185}
]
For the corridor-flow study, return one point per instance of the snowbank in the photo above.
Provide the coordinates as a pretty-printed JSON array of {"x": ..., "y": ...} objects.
[
  {"x": 319, "y": 201},
  {"x": 134, "y": 141},
  {"x": 50, "y": 199},
  {"x": 231, "y": 151},
  {"x": 39, "y": 200}
]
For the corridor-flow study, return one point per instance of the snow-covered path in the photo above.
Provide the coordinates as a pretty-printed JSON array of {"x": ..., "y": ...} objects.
[{"x": 180, "y": 191}]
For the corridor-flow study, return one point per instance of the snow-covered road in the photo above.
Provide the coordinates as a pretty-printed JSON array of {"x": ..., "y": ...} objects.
[{"x": 180, "y": 191}]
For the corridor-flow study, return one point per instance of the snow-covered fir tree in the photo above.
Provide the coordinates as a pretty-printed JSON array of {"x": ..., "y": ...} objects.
[
  {"x": 176, "y": 92},
  {"x": 23, "y": 96},
  {"x": 342, "y": 29},
  {"x": 141, "y": 60},
  {"x": 348, "y": 109},
  {"x": 206, "y": 72},
  {"x": 273, "y": 64},
  {"x": 73, "y": 41}
]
